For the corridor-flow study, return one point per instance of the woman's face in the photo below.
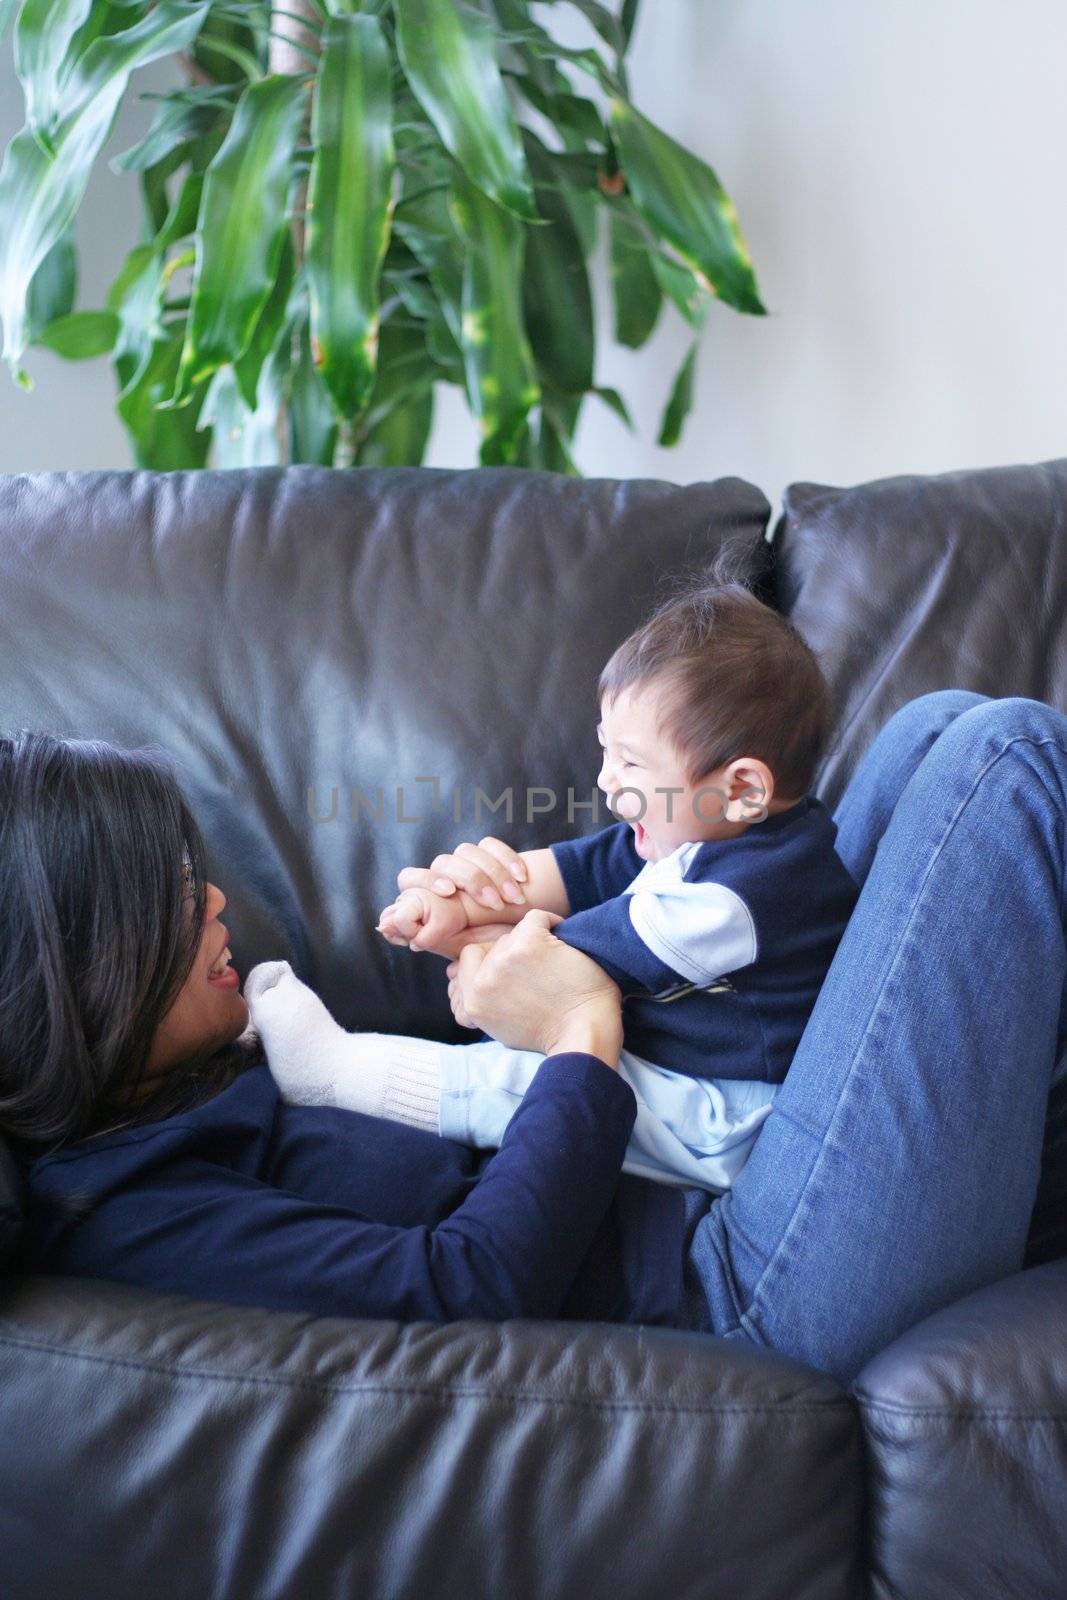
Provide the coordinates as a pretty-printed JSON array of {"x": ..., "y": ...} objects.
[{"x": 209, "y": 1011}]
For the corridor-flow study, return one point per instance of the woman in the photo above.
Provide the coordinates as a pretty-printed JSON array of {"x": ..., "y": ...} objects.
[{"x": 897, "y": 1170}]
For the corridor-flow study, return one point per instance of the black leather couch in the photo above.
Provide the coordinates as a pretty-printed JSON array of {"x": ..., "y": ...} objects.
[{"x": 287, "y": 632}]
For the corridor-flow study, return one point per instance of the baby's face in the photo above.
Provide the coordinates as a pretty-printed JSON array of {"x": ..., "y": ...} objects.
[{"x": 645, "y": 771}]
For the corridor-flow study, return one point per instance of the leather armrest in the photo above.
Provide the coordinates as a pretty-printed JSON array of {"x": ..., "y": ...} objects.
[
  {"x": 966, "y": 1424},
  {"x": 158, "y": 1444}
]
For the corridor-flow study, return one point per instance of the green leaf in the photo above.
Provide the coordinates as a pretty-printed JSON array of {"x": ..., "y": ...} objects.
[
  {"x": 563, "y": 409},
  {"x": 543, "y": 54},
  {"x": 154, "y": 187},
  {"x": 7, "y": 12},
  {"x": 412, "y": 290},
  {"x": 80, "y": 334},
  {"x": 614, "y": 400},
  {"x": 43, "y": 34},
  {"x": 543, "y": 445},
  {"x": 133, "y": 275},
  {"x": 443, "y": 348},
  {"x": 181, "y": 219},
  {"x": 350, "y": 205},
  {"x": 311, "y": 417},
  {"x": 680, "y": 402},
  {"x": 584, "y": 209},
  {"x": 421, "y": 300},
  {"x": 627, "y": 20},
  {"x": 568, "y": 113},
  {"x": 248, "y": 367},
  {"x": 404, "y": 368},
  {"x": 579, "y": 123},
  {"x": 136, "y": 297},
  {"x": 448, "y": 53},
  {"x": 39, "y": 194},
  {"x": 241, "y": 228},
  {"x": 175, "y": 125},
  {"x": 400, "y": 438},
  {"x": 579, "y": 168},
  {"x": 605, "y": 22},
  {"x": 683, "y": 202},
  {"x": 637, "y": 293},
  {"x": 683, "y": 287},
  {"x": 418, "y": 297},
  {"x": 554, "y": 447},
  {"x": 162, "y": 441},
  {"x": 242, "y": 435},
  {"x": 501, "y": 378},
  {"x": 96, "y": 61},
  {"x": 557, "y": 304},
  {"x": 145, "y": 357},
  {"x": 427, "y": 228},
  {"x": 241, "y": 58},
  {"x": 52, "y": 291},
  {"x": 520, "y": 33}
]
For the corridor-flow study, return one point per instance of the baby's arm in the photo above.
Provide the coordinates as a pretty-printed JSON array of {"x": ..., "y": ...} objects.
[
  {"x": 569, "y": 876},
  {"x": 654, "y": 940},
  {"x": 545, "y": 889}
]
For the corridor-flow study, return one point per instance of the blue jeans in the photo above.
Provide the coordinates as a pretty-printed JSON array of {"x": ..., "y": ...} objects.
[{"x": 899, "y": 1166}]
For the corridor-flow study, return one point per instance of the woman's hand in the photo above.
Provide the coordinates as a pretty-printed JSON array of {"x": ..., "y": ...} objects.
[
  {"x": 490, "y": 871},
  {"x": 532, "y": 991}
]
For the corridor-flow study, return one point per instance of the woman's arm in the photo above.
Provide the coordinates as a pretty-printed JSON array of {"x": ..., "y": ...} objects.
[
  {"x": 512, "y": 1247},
  {"x": 190, "y": 1225}
]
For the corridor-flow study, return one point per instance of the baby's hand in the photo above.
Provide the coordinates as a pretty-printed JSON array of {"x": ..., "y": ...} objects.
[
  {"x": 422, "y": 920},
  {"x": 490, "y": 872}
]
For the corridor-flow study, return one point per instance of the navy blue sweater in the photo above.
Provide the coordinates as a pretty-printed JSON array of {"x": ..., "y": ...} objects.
[
  {"x": 721, "y": 948},
  {"x": 326, "y": 1211}
]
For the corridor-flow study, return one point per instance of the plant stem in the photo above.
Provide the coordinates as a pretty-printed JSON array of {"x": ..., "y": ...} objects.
[
  {"x": 291, "y": 38},
  {"x": 292, "y": 35},
  {"x": 347, "y": 443}
]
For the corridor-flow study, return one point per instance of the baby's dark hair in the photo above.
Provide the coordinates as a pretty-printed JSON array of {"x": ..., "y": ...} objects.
[{"x": 733, "y": 677}]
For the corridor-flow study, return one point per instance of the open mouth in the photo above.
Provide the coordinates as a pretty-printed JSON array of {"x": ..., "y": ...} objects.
[{"x": 221, "y": 974}]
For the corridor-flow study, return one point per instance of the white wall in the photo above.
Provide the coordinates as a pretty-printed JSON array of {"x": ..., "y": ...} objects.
[{"x": 900, "y": 169}]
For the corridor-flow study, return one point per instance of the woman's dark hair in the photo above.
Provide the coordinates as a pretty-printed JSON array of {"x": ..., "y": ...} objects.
[
  {"x": 94, "y": 946},
  {"x": 733, "y": 678}
]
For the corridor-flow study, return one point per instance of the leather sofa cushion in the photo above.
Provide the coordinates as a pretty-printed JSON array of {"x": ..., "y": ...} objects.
[
  {"x": 913, "y": 583},
  {"x": 206, "y": 1450},
  {"x": 965, "y": 1418}
]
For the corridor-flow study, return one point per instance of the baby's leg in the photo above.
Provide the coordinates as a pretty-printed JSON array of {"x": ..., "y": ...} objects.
[
  {"x": 314, "y": 1061},
  {"x": 689, "y": 1131}
]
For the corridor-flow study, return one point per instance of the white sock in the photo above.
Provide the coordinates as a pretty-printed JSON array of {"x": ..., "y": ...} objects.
[{"x": 315, "y": 1062}]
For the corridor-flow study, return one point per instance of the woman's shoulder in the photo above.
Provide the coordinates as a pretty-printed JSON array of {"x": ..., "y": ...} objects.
[{"x": 221, "y": 1125}]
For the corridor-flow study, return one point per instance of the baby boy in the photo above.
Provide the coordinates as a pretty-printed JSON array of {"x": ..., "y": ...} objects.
[{"x": 716, "y": 904}]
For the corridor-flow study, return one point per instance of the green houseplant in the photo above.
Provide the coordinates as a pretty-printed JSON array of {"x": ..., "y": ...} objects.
[{"x": 346, "y": 204}]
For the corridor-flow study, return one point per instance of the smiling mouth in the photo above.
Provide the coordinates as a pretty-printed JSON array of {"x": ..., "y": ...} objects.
[{"x": 222, "y": 960}]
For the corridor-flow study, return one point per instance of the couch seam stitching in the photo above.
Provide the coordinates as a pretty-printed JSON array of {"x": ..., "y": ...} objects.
[{"x": 448, "y": 1393}]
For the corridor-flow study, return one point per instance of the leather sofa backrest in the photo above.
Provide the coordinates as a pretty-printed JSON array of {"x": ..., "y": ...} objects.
[
  {"x": 289, "y": 635},
  {"x": 908, "y": 584}
]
